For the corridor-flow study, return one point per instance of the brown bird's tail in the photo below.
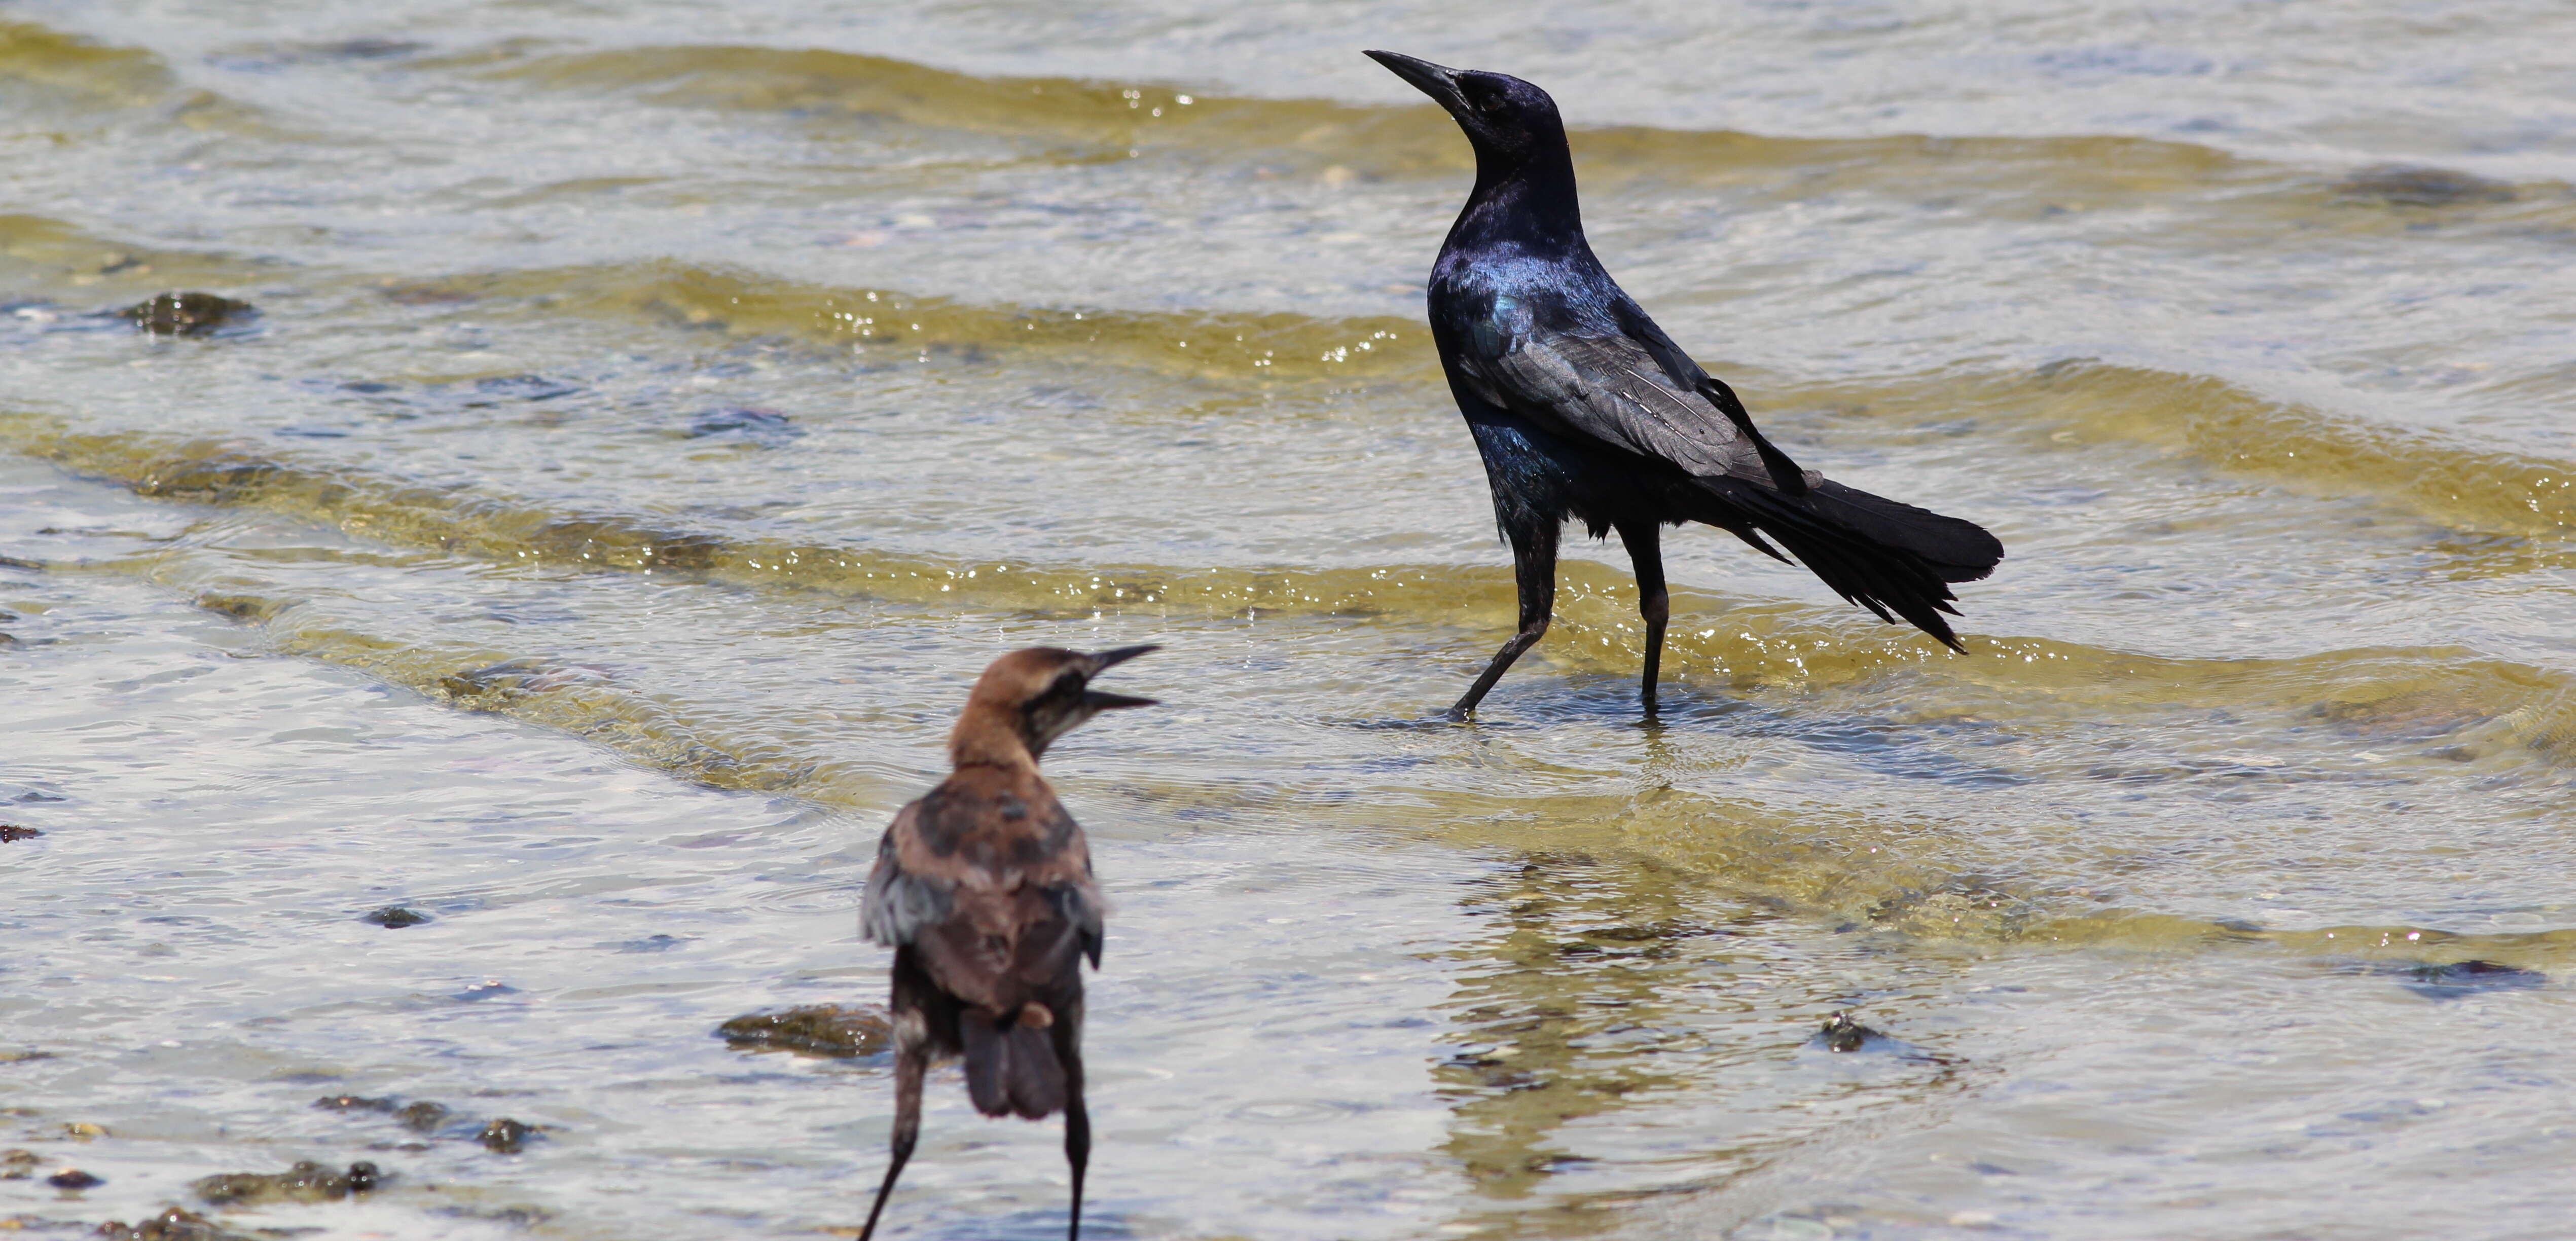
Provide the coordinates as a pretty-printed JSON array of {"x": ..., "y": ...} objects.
[
  {"x": 1011, "y": 1066},
  {"x": 1881, "y": 554}
]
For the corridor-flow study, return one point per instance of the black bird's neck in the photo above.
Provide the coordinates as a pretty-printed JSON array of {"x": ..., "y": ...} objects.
[{"x": 1529, "y": 204}]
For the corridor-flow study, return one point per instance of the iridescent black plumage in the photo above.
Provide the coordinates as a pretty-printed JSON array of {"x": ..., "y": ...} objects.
[{"x": 1583, "y": 408}]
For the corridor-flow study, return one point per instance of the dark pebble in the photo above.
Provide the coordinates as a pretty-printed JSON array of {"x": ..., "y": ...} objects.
[
  {"x": 187, "y": 314},
  {"x": 503, "y": 1136},
  {"x": 1844, "y": 1034},
  {"x": 11, "y": 832},
  {"x": 821, "y": 1030},
  {"x": 394, "y": 917},
  {"x": 73, "y": 1178}
]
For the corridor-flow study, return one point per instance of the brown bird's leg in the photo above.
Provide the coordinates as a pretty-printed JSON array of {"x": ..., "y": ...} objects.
[
  {"x": 1534, "y": 570},
  {"x": 1077, "y": 1121},
  {"x": 911, "y": 1058},
  {"x": 1644, "y": 540}
]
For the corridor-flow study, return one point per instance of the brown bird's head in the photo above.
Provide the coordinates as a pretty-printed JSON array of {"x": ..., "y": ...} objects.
[{"x": 1027, "y": 699}]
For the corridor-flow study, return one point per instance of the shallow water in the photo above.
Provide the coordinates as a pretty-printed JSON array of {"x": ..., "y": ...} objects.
[{"x": 658, "y": 412}]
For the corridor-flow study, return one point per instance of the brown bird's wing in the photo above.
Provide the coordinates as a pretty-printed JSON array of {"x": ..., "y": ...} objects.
[
  {"x": 992, "y": 888},
  {"x": 898, "y": 904}
]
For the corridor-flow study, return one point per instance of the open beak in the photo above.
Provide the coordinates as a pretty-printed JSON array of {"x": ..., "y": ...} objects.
[
  {"x": 1099, "y": 700},
  {"x": 1434, "y": 80}
]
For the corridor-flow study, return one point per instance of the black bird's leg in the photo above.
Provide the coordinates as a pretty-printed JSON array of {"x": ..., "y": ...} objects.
[
  {"x": 1534, "y": 570},
  {"x": 911, "y": 1058},
  {"x": 1077, "y": 1121},
  {"x": 1644, "y": 540}
]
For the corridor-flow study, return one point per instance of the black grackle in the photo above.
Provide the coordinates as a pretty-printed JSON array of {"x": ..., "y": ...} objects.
[{"x": 1583, "y": 408}]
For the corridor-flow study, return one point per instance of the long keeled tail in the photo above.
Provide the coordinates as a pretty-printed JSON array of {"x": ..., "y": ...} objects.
[
  {"x": 1011, "y": 1066},
  {"x": 1886, "y": 556}
]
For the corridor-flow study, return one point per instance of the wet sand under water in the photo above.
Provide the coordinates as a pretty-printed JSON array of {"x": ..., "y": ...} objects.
[{"x": 653, "y": 418}]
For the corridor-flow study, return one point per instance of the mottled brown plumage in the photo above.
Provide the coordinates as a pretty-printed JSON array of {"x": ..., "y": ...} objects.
[{"x": 983, "y": 889}]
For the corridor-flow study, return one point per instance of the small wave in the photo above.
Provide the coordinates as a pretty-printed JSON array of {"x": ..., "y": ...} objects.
[
  {"x": 2480, "y": 490},
  {"x": 886, "y": 322},
  {"x": 76, "y": 82},
  {"x": 1343, "y": 141},
  {"x": 1101, "y": 115},
  {"x": 2476, "y": 489},
  {"x": 54, "y": 259},
  {"x": 53, "y": 71},
  {"x": 1743, "y": 644}
]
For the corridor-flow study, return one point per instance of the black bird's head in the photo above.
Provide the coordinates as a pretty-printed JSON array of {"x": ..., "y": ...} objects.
[
  {"x": 1034, "y": 696},
  {"x": 1510, "y": 122}
]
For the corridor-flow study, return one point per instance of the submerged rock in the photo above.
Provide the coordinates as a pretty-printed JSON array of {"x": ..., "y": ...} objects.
[
  {"x": 187, "y": 314},
  {"x": 17, "y": 1165},
  {"x": 174, "y": 1224},
  {"x": 422, "y": 1116},
  {"x": 503, "y": 1136},
  {"x": 2410, "y": 185},
  {"x": 305, "y": 1182},
  {"x": 820, "y": 1030},
  {"x": 395, "y": 917},
  {"x": 2466, "y": 978},
  {"x": 12, "y": 832},
  {"x": 766, "y": 426},
  {"x": 1844, "y": 1034}
]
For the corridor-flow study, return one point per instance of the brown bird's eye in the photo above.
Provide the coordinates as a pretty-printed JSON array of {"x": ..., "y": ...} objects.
[{"x": 1489, "y": 101}]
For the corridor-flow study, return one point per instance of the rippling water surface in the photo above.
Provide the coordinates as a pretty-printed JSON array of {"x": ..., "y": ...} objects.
[{"x": 658, "y": 410}]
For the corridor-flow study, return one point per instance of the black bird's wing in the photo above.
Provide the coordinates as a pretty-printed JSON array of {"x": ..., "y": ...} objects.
[{"x": 1631, "y": 389}]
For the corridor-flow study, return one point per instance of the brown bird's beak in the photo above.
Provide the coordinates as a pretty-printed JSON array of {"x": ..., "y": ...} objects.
[
  {"x": 1437, "y": 81},
  {"x": 1099, "y": 700}
]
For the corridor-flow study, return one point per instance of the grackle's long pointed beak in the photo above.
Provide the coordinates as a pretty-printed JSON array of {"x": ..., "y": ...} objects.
[
  {"x": 1437, "y": 81},
  {"x": 1101, "y": 700},
  {"x": 1107, "y": 660}
]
